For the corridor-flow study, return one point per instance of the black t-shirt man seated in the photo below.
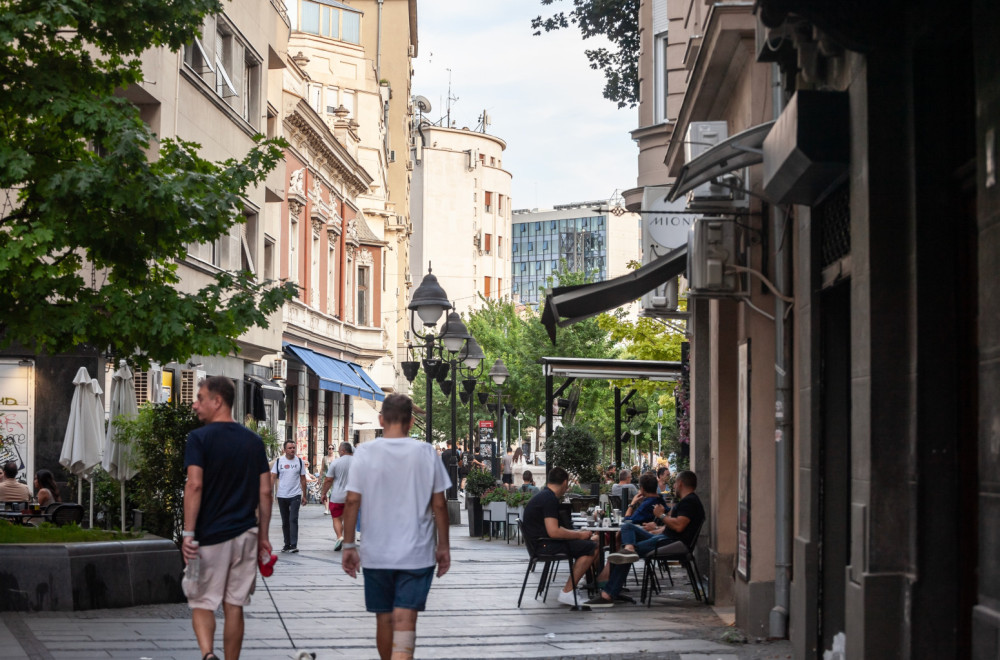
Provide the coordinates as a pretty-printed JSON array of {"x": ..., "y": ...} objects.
[
  {"x": 682, "y": 524},
  {"x": 541, "y": 528}
]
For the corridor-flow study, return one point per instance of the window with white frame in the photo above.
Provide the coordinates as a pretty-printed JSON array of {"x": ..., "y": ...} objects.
[
  {"x": 660, "y": 77},
  {"x": 314, "y": 271},
  {"x": 228, "y": 65},
  {"x": 347, "y": 99},
  {"x": 364, "y": 295},
  {"x": 329, "y": 18},
  {"x": 315, "y": 93},
  {"x": 332, "y": 100},
  {"x": 293, "y": 251},
  {"x": 331, "y": 280}
]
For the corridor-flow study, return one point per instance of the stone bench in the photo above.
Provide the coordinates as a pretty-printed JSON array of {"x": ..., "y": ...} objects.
[{"x": 85, "y": 576}]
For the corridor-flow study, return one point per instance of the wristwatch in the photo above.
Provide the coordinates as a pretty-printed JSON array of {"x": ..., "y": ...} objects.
[
  {"x": 348, "y": 546},
  {"x": 186, "y": 533}
]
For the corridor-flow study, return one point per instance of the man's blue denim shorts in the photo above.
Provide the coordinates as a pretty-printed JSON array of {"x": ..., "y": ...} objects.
[{"x": 387, "y": 589}]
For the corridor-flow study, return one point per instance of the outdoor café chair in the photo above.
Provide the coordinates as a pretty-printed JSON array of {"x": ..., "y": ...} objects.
[
  {"x": 675, "y": 551},
  {"x": 64, "y": 513},
  {"x": 549, "y": 562}
]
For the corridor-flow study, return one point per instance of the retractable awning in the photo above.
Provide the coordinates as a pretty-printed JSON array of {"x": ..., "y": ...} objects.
[
  {"x": 378, "y": 394},
  {"x": 741, "y": 150},
  {"x": 365, "y": 416},
  {"x": 270, "y": 390},
  {"x": 335, "y": 375},
  {"x": 571, "y": 304}
]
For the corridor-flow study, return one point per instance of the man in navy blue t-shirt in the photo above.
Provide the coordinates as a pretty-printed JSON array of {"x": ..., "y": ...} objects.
[{"x": 228, "y": 487}]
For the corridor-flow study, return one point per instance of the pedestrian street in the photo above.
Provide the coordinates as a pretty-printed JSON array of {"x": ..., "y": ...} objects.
[{"x": 471, "y": 613}]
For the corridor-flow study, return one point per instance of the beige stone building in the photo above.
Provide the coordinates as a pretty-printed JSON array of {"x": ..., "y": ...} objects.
[
  {"x": 220, "y": 91},
  {"x": 348, "y": 210},
  {"x": 461, "y": 213}
]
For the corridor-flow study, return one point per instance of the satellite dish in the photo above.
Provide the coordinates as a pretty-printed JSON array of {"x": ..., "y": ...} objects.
[{"x": 423, "y": 105}]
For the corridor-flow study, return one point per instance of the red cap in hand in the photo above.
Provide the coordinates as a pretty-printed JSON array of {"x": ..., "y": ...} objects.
[{"x": 267, "y": 567}]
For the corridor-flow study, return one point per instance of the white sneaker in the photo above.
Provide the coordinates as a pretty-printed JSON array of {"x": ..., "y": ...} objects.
[{"x": 567, "y": 598}]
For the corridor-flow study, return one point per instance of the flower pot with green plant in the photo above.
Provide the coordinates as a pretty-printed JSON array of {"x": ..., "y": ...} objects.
[
  {"x": 477, "y": 483},
  {"x": 495, "y": 502}
]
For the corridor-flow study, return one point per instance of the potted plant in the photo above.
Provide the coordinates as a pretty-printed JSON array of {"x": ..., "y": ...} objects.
[
  {"x": 516, "y": 501},
  {"x": 494, "y": 500},
  {"x": 477, "y": 483},
  {"x": 575, "y": 449}
]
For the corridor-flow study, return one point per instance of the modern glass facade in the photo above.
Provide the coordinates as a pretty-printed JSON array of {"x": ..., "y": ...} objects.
[{"x": 538, "y": 246}]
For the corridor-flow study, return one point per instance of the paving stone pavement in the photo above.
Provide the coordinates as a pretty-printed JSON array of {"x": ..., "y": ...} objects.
[{"x": 471, "y": 613}]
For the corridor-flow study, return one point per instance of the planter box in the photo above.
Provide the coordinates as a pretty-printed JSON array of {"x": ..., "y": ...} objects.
[
  {"x": 475, "y": 516},
  {"x": 86, "y": 576}
]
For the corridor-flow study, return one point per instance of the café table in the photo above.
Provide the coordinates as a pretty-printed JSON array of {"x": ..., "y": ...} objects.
[
  {"x": 23, "y": 516},
  {"x": 612, "y": 540}
]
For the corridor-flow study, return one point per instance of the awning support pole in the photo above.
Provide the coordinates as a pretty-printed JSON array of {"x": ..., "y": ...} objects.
[
  {"x": 549, "y": 397},
  {"x": 618, "y": 427}
]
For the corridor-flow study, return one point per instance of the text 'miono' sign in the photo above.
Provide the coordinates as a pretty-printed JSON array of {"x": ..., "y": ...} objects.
[{"x": 666, "y": 224}]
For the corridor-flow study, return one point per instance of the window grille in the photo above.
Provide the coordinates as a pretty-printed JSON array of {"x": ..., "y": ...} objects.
[{"x": 832, "y": 217}]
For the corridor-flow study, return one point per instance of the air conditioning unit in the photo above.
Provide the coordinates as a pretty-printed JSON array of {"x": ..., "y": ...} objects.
[
  {"x": 702, "y": 136},
  {"x": 711, "y": 251},
  {"x": 392, "y": 155},
  {"x": 280, "y": 369},
  {"x": 473, "y": 158},
  {"x": 189, "y": 384},
  {"x": 661, "y": 300},
  {"x": 478, "y": 240},
  {"x": 406, "y": 335},
  {"x": 411, "y": 50}
]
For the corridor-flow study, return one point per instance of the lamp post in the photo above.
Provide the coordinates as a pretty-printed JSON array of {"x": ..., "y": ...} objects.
[
  {"x": 428, "y": 303},
  {"x": 471, "y": 369},
  {"x": 456, "y": 340},
  {"x": 499, "y": 374}
]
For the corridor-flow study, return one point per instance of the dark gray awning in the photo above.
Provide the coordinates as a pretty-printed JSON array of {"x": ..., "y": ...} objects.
[
  {"x": 741, "y": 150},
  {"x": 567, "y": 305},
  {"x": 271, "y": 390}
]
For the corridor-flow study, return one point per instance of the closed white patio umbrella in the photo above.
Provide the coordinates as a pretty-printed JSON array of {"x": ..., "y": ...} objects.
[
  {"x": 119, "y": 459},
  {"x": 83, "y": 443}
]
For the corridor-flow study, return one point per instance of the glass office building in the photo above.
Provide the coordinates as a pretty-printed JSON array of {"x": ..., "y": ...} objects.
[{"x": 542, "y": 239}]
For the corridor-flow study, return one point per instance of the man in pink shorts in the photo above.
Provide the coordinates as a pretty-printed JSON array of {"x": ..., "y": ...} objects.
[
  {"x": 228, "y": 486},
  {"x": 336, "y": 476}
]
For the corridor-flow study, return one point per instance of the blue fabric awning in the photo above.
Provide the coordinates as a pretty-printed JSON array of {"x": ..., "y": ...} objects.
[
  {"x": 337, "y": 375},
  {"x": 372, "y": 385}
]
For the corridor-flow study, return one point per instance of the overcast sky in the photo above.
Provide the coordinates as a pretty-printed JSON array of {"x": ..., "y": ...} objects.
[{"x": 565, "y": 141}]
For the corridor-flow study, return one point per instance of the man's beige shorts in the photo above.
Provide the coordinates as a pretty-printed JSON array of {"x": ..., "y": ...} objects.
[{"x": 228, "y": 572}]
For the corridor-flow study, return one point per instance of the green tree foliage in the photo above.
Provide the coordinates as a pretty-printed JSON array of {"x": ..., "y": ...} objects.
[
  {"x": 616, "y": 20},
  {"x": 159, "y": 436},
  {"x": 92, "y": 228},
  {"x": 576, "y": 450}
]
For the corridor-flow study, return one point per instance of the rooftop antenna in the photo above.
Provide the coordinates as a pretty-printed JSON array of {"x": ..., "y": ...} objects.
[
  {"x": 484, "y": 121},
  {"x": 450, "y": 99}
]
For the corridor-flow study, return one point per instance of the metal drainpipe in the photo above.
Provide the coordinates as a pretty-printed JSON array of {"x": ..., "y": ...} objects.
[
  {"x": 782, "y": 409},
  {"x": 378, "y": 46}
]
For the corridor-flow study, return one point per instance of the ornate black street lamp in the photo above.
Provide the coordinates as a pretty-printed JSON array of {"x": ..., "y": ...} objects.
[
  {"x": 428, "y": 303},
  {"x": 456, "y": 340},
  {"x": 471, "y": 369},
  {"x": 499, "y": 374}
]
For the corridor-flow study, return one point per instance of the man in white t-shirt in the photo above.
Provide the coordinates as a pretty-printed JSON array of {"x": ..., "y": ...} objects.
[
  {"x": 402, "y": 510},
  {"x": 289, "y": 471},
  {"x": 336, "y": 476}
]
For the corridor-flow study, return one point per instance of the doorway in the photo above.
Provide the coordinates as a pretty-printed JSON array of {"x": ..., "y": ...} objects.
[{"x": 835, "y": 459}]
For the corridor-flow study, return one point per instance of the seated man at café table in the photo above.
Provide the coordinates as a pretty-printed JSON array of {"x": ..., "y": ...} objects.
[
  {"x": 640, "y": 509},
  {"x": 681, "y": 524},
  {"x": 541, "y": 521},
  {"x": 12, "y": 490},
  {"x": 624, "y": 488}
]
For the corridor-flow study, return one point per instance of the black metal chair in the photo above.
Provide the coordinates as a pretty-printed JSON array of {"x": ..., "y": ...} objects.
[
  {"x": 675, "y": 551},
  {"x": 550, "y": 565},
  {"x": 64, "y": 513}
]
